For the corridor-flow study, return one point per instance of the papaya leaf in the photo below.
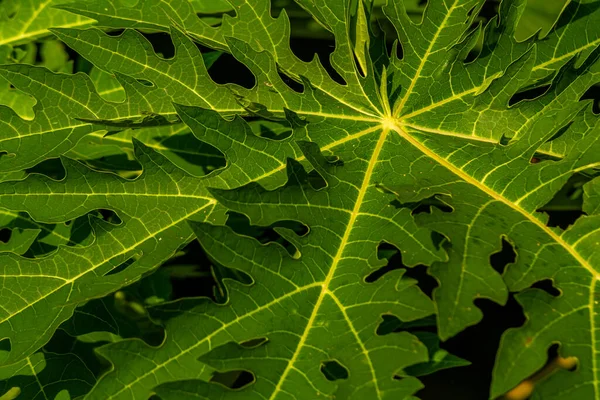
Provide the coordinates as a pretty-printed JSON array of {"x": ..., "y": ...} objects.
[
  {"x": 446, "y": 145},
  {"x": 46, "y": 375}
]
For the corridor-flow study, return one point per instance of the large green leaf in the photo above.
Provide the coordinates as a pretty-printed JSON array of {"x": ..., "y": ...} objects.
[
  {"x": 428, "y": 128},
  {"x": 20, "y": 241},
  {"x": 327, "y": 308},
  {"x": 553, "y": 52},
  {"x": 121, "y": 254},
  {"x": 145, "y": 106},
  {"x": 566, "y": 41},
  {"x": 25, "y": 20},
  {"x": 63, "y": 101},
  {"x": 164, "y": 187},
  {"x": 443, "y": 137},
  {"x": 21, "y": 23},
  {"x": 571, "y": 318}
]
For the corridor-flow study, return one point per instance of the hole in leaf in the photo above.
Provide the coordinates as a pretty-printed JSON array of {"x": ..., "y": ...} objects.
[
  {"x": 425, "y": 282},
  {"x": 6, "y": 154},
  {"x": 377, "y": 274},
  {"x": 233, "y": 379},
  {"x": 241, "y": 225},
  {"x": 221, "y": 273},
  {"x": 593, "y": 93},
  {"x": 316, "y": 181},
  {"x": 539, "y": 157},
  {"x": 81, "y": 231},
  {"x": 507, "y": 255},
  {"x": 560, "y": 132},
  {"x": 439, "y": 240},
  {"x": 557, "y": 361},
  {"x": 391, "y": 323},
  {"x": 547, "y": 285},
  {"x": 292, "y": 84},
  {"x": 229, "y": 70},
  {"x": 504, "y": 140},
  {"x": 529, "y": 94},
  {"x": 256, "y": 342},
  {"x": 565, "y": 208},
  {"x": 424, "y": 205},
  {"x": 190, "y": 273},
  {"x": 564, "y": 218},
  {"x": 51, "y": 168},
  {"x": 5, "y": 345},
  {"x": 161, "y": 44},
  {"x": 5, "y": 235},
  {"x": 333, "y": 370},
  {"x": 122, "y": 267},
  {"x": 145, "y": 82},
  {"x": 110, "y": 216},
  {"x": 115, "y": 32},
  {"x": 386, "y": 250},
  {"x": 472, "y": 56}
]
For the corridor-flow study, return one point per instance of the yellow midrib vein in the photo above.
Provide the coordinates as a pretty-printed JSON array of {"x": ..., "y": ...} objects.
[
  {"x": 566, "y": 55},
  {"x": 469, "y": 179},
  {"x": 212, "y": 335},
  {"x": 424, "y": 60},
  {"x": 335, "y": 262},
  {"x": 330, "y": 146},
  {"x": 111, "y": 194}
]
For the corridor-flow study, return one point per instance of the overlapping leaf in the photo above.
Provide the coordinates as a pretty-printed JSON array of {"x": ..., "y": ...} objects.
[
  {"x": 148, "y": 235},
  {"x": 77, "y": 102},
  {"x": 47, "y": 376},
  {"x": 324, "y": 287},
  {"x": 22, "y": 22},
  {"x": 155, "y": 206},
  {"x": 26, "y": 20},
  {"x": 63, "y": 101}
]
